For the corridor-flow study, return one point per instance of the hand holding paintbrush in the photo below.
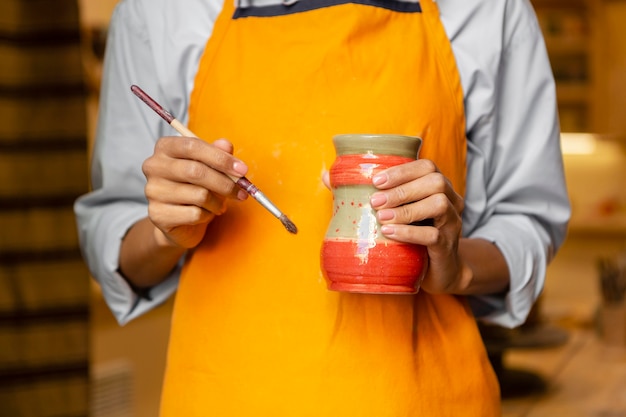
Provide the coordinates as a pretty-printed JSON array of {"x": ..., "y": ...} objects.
[{"x": 243, "y": 182}]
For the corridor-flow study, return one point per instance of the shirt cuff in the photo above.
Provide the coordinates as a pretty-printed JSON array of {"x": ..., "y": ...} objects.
[
  {"x": 127, "y": 304},
  {"x": 102, "y": 254},
  {"x": 524, "y": 250}
]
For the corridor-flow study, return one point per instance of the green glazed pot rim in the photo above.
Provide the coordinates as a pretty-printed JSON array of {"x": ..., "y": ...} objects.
[{"x": 377, "y": 144}]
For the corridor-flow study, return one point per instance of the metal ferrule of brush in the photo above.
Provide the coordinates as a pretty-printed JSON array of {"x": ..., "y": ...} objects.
[
  {"x": 254, "y": 191},
  {"x": 265, "y": 202}
]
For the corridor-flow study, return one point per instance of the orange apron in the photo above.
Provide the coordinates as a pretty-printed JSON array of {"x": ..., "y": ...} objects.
[{"x": 255, "y": 332}]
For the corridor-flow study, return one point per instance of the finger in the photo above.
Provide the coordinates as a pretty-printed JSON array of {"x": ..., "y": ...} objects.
[
  {"x": 416, "y": 189},
  {"x": 216, "y": 156},
  {"x": 170, "y": 216},
  {"x": 400, "y": 174},
  {"x": 326, "y": 179},
  {"x": 224, "y": 145},
  {"x": 426, "y": 235},
  {"x": 170, "y": 193},
  {"x": 434, "y": 237},
  {"x": 411, "y": 191},
  {"x": 433, "y": 207},
  {"x": 185, "y": 171}
]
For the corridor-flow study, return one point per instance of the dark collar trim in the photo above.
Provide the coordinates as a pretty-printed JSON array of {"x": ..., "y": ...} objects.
[{"x": 306, "y": 5}]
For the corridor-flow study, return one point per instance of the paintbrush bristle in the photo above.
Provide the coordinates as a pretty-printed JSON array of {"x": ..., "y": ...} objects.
[{"x": 291, "y": 228}]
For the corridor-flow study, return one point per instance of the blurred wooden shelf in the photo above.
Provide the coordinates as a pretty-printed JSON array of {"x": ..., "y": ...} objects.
[
  {"x": 568, "y": 28},
  {"x": 599, "y": 229}
]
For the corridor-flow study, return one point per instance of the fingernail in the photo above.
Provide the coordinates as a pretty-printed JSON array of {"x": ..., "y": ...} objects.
[
  {"x": 385, "y": 215},
  {"x": 387, "y": 229},
  {"x": 242, "y": 195},
  {"x": 379, "y": 179},
  {"x": 240, "y": 168},
  {"x": 378, "y": 199}
]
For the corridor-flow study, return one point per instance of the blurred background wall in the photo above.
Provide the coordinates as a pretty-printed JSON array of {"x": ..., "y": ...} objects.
[{"x": 44, "y": 296}]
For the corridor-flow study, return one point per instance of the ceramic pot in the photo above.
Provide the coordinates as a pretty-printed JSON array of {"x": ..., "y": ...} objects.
[{"x": 355, "y": 256}]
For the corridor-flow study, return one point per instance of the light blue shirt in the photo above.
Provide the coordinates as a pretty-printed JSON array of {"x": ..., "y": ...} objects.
[{"x": 516, "y": 195}]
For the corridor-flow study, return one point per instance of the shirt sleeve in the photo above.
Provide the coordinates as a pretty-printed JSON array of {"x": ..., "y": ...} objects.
[
  {"x": 125, "y": 137},
  {"x": 161, "y": 56},
  {"x": 517, "y": 196}
]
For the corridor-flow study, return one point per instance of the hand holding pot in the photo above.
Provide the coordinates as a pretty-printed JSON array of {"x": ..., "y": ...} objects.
[{"x": 416, "y": 204}]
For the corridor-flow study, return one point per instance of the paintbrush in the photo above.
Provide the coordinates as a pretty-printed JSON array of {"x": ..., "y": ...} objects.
[{"x": 243, "y": 182}]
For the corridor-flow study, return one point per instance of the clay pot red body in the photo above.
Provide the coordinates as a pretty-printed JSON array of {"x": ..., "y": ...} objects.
[{"x": 355, "y": 256}]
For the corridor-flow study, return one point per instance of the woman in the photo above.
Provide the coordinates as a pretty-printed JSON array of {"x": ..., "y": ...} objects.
[{"x": 266, "y": 85}]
